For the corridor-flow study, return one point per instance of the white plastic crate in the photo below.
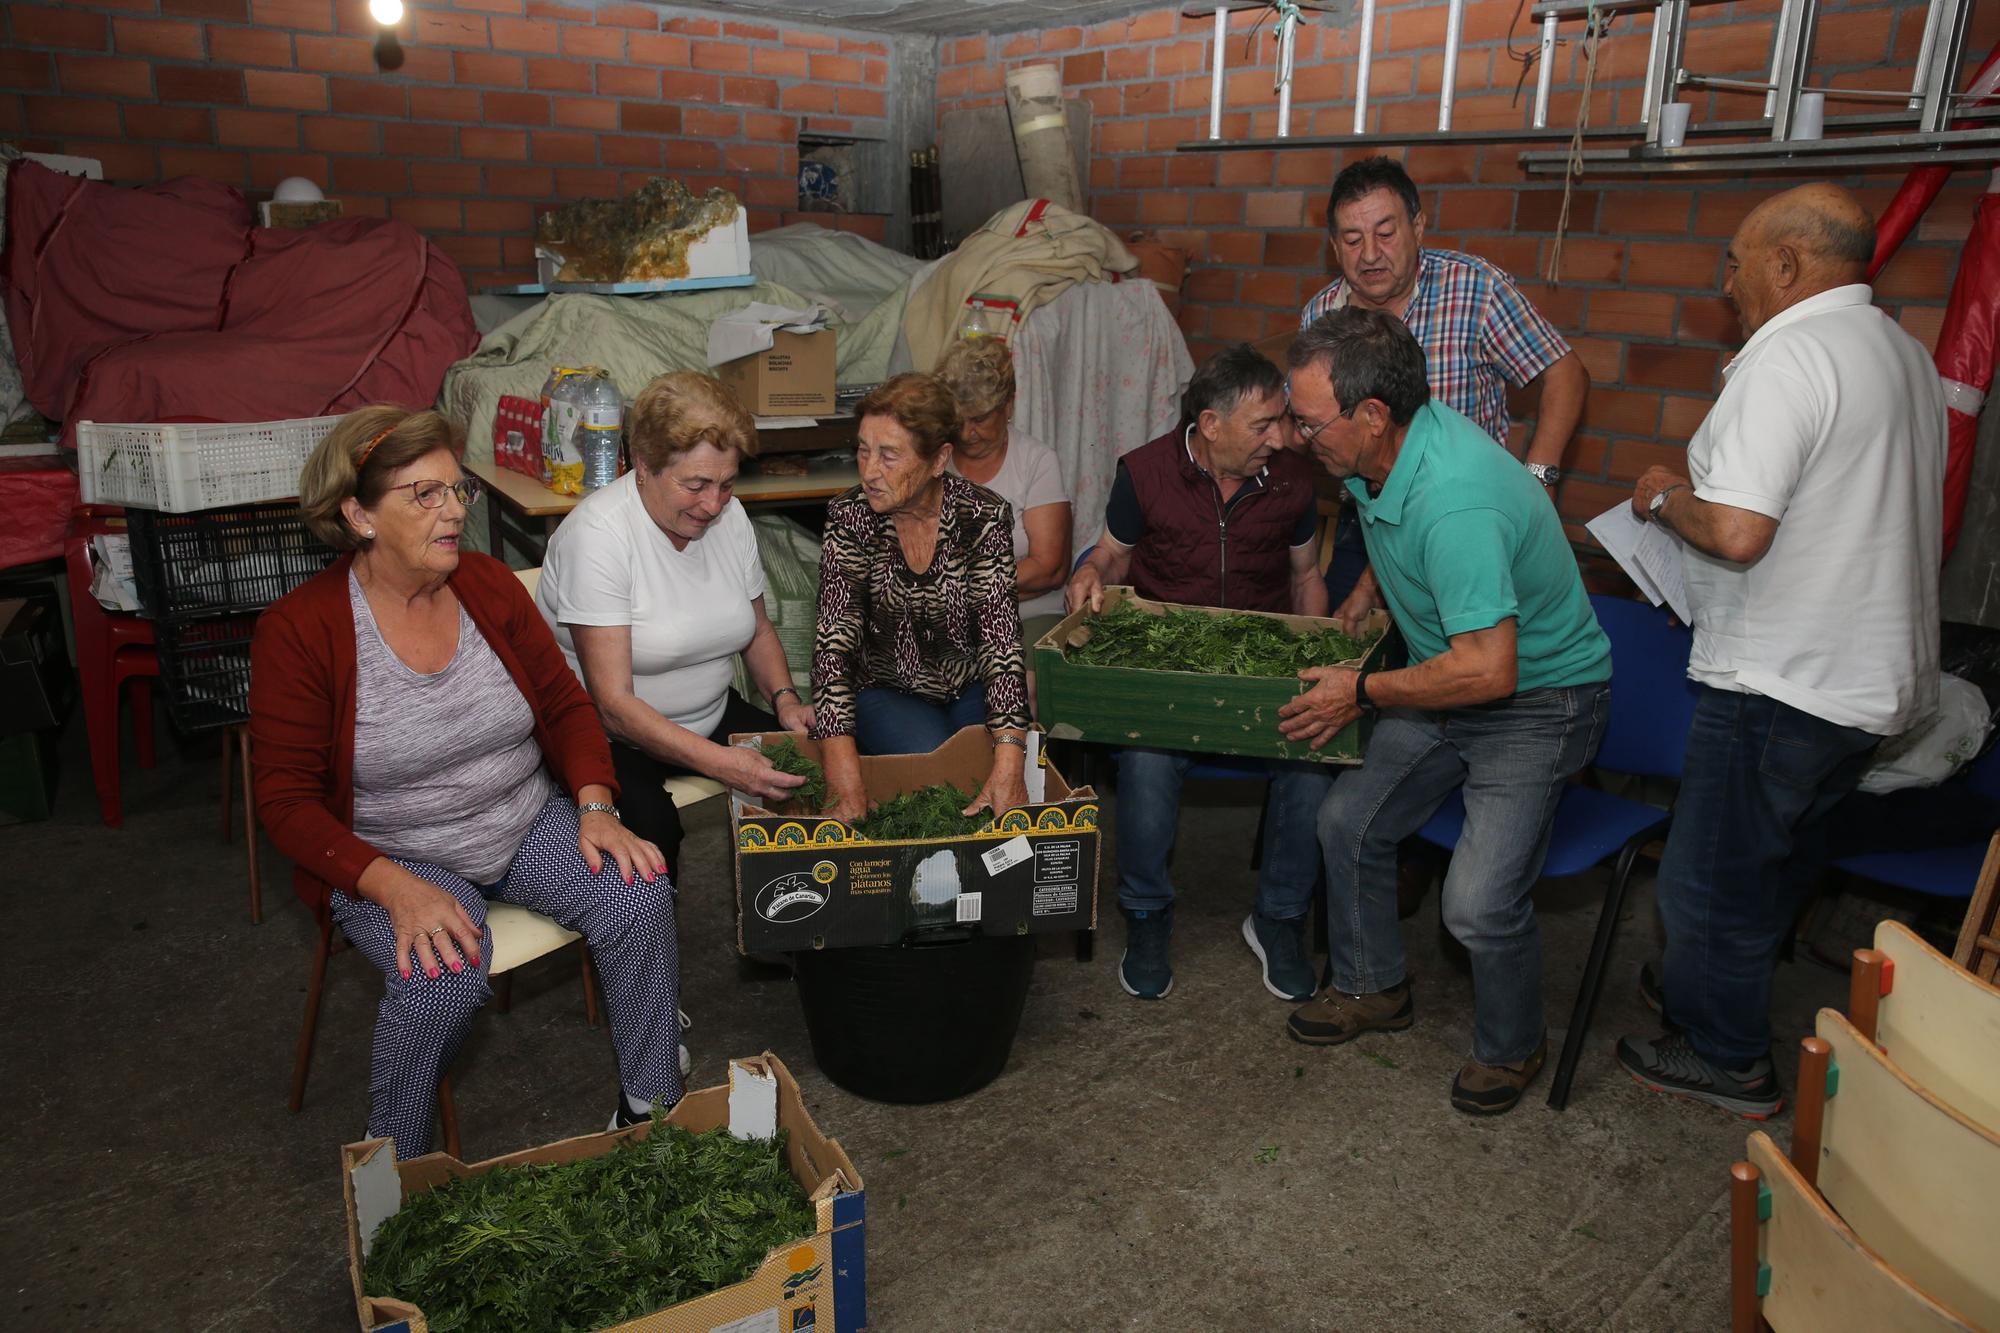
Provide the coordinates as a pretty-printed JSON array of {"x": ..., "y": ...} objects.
[{"x": 184, "y": 467}]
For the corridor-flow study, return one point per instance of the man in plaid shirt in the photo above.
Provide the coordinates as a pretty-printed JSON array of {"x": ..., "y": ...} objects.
[{"x": 1478, "y": 332}]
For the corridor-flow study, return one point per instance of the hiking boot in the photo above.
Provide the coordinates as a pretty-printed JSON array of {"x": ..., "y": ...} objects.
[
  {"x": 1333, "y": 1016},
  {"x": 1280, "y": 947},
  {"x": 1146, "y": 971},
  {"x": 1668, "y": 1063},
  {"x": 1495, "y": 1089},
  {"x": 1650, "y": 990}
]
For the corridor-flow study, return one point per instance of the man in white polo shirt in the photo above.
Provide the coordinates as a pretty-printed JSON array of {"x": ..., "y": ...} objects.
[{"x": 1812, "y": 519}]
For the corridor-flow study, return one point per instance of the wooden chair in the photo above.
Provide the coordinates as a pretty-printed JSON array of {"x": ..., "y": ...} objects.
[
  {"x": 519, "y": 936},
  {"x": 1978, "y": 950},
  {"x": 1936, "y": 1021},
  {"x": 1795, "y": 1267},
  {"x": 1918, "y": 1182}
]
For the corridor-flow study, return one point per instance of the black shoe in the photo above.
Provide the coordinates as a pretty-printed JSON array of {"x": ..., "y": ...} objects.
[{"x": 1649, "y": 988}]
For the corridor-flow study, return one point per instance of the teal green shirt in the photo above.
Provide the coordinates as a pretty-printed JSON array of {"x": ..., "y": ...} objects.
[{"x": 1462, "y": 537}]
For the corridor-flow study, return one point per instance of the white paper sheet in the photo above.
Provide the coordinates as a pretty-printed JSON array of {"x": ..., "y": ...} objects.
[
  {"x": 1649, "y": 553},
  {"x": 751, "y": 329}
]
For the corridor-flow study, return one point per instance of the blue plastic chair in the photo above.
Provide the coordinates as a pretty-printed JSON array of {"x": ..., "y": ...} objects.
[
  {"x": 1652, "y": 709},
  {"x": 1950, "y": 870}
]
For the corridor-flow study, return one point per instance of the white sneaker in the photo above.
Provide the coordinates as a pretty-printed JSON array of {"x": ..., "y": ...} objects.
[{"x": 687, "y": 1062}]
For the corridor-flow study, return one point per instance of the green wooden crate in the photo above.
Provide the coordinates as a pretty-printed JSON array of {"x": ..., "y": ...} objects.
[{"x": 1186, "y": 710}]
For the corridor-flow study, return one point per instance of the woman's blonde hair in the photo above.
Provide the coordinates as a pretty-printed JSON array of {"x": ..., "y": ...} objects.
[
  {"x": 980, "y": 374},
  {"x": 678, "y": 411},
  {"x": 356, "y": 460},
  {"x": 921, "y": 405}
]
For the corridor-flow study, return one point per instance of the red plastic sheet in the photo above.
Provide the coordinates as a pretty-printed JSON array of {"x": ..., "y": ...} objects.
[
  {"x": 36, "y": 495},
  {"x": 1915, "y": 195},
  {"x": 1966, "y": 345}
]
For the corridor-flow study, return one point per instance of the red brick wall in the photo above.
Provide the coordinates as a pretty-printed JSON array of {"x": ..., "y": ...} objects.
[
  {"x": 500, "y": 106},
  {"x": 1641, "y": 266}
]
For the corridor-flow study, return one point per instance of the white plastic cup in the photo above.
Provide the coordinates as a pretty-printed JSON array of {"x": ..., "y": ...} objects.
[
  {"x": 1674, "y": 124},
  {"x": 1810, "y": 123}
]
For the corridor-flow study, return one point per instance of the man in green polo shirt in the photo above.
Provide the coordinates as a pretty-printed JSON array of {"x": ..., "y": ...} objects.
[{"x": 1505, "y": 696}]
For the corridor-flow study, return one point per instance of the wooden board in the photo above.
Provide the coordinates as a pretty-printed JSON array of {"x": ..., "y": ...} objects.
[
  {"x": 1918, "y": 1182},
  {"x": 1823, "y": 1279},
  {"x": 978, "y": 170},
  {"x": 1941, "y": 1025},
  {"x": 1183, "y": 710}
]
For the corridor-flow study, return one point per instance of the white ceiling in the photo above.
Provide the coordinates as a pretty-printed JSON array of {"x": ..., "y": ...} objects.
[{"x": 937, "y": 16}]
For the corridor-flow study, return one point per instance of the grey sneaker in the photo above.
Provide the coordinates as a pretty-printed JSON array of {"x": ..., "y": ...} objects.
[
  {"x": 1146, "y": 971},
  {"x": 1668, "y": 1063},
  {"x": 1280, "y": 947}
]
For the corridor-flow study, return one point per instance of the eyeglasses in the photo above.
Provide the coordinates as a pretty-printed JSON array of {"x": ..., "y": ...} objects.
[
  {"x": 430, "y": 494},
  {"x": 1308, "y": 432}
]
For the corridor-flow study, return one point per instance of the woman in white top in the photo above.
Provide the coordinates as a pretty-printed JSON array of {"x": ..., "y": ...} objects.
[
  {"x": 653, "y": 586},
  {"x": 1016, "y": 467}
]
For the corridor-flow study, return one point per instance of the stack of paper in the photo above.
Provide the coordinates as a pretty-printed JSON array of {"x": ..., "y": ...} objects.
[{"x": 1648, "y": 553}]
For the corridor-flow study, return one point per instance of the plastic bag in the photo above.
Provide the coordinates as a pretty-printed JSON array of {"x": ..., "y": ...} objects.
[{"x": 1932, "y": 751}]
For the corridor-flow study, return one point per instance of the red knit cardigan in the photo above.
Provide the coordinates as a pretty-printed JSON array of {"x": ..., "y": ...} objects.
[{"x": 302, "y": 682}]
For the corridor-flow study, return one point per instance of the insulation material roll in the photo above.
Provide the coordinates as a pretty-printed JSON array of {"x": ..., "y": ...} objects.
[{"x": 1041, "y": 135}]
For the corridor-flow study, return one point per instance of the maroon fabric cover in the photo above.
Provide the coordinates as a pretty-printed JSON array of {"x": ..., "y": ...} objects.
[
  {"x": 165, "y": 303},
  {"x": 36, "y": 495},
  {"x": 1180, "y": 559}
]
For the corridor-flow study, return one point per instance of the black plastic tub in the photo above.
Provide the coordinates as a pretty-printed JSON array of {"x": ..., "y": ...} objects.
[{"x": 924, "y": 1021}]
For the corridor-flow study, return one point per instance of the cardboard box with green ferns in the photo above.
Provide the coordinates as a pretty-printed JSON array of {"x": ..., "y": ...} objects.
[{"x": 810, "y": 882}]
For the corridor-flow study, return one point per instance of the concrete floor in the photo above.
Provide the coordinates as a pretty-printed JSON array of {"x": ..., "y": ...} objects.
[{"x": 1180, "y": 1163}]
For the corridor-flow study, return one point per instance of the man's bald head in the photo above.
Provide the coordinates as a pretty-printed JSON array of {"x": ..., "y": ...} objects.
[{"x": 1796, "y": 245}]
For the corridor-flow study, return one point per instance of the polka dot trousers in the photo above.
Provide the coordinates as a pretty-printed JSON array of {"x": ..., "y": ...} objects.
[{"x": 423, "y": 1020}]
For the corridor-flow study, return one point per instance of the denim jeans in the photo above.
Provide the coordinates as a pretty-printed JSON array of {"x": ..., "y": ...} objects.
[
  {"x": 1512, "y": 757},
  {"x": 1149, "y": 807},
  {"x": 892, "y": 722},
  {"x": 1747, "y": 843}
]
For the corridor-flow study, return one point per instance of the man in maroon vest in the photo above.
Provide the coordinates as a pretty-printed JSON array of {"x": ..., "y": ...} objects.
[{"x": 1217, "y": 513}]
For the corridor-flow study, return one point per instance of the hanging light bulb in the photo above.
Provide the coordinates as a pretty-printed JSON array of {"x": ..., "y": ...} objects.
[{"x": 388, "y": 13}]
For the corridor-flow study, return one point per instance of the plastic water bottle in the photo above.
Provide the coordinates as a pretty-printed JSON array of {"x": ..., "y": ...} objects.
[
  {"x": 599, "y": 430},
  {"x": 974, "y": 322}
]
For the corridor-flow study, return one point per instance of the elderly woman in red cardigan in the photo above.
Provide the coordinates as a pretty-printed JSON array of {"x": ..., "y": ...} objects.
[{"x": 422, "y": 748}]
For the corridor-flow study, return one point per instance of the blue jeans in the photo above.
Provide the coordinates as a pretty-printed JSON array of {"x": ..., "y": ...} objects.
[
  {"x": 1149, "y": 807},
  {"x": 1747, "y": 843},
  {"x": 892, "y": 722},
  {"x": 1512, "y": 757}
]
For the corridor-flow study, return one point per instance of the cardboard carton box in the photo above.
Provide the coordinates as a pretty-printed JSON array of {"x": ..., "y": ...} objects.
[
  {"x": 813, "y": 883},
  {"x": 818, "y": 1284},
  {"x": 793, "y": 377},
  {"x": 1186, "y": 710}
]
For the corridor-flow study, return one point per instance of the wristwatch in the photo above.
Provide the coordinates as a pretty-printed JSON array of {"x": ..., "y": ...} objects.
[
  {"x": 1546, "y": 473},
  {"x": 1659, "y": 501},
  {"x": 598, "y": 807},
  {"x": 1361, "y": 699}
]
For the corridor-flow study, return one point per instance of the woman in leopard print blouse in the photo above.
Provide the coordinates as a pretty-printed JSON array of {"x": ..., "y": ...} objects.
[{"x": 919, "y": 630}]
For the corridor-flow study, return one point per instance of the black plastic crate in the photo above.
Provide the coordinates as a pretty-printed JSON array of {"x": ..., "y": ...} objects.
[
  {"x": 205, "y": 669},
  {"x": 221, "y": 562}
]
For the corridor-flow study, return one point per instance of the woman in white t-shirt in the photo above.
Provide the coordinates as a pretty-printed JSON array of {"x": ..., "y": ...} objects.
[
  {"x": 1016, "y": 467},
  {"x": 653, "y": 586}
]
